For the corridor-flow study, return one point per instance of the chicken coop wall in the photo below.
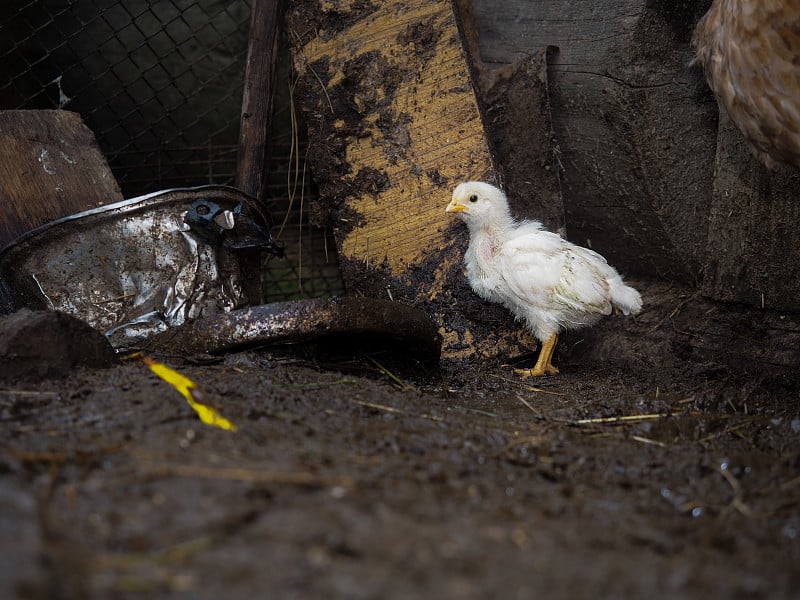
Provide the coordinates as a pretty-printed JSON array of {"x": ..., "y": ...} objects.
[{"x": 160, "y": 85}]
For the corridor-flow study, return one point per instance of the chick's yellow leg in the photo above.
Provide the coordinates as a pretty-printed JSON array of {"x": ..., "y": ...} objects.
[{"x": 543, "y": 365}]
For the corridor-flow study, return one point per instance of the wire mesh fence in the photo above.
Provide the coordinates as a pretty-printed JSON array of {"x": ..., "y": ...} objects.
[{"x": 160, "y": 83}]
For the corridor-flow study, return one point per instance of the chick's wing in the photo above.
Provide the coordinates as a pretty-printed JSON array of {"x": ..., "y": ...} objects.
[{"x": 547, "y": 272}]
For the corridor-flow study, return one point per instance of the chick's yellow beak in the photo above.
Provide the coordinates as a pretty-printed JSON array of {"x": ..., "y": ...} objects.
[{"x": 455, "y": 207}]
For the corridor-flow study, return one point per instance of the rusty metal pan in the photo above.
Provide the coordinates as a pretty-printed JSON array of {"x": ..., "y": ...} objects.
[{"x": 137, "y": 267}]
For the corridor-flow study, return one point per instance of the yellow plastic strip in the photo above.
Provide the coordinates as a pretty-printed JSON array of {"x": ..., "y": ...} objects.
[{"x": 193, "y": 394}]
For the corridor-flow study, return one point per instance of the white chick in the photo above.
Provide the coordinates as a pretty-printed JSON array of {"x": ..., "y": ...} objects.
[{"x": 543, "y": 279}]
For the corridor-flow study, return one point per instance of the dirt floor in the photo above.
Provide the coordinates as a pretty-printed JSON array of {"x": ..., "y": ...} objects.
[{"x": 648, "y": 479}]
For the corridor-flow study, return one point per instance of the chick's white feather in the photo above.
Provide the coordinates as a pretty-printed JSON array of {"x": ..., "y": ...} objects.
[{"x": 540, "y": 277}]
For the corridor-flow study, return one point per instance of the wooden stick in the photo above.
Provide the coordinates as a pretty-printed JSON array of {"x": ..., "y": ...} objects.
[
  {"x": 256, "y": 123},
  {"x": 258, "y": 97},
  {"x": 626, "y": 418}
]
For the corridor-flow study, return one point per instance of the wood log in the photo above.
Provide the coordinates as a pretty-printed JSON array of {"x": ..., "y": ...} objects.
[
  {"x": 395, "y": 124},
  {"x": 50, "y": 167}
]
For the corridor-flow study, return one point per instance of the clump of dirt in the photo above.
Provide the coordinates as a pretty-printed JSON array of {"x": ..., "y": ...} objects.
[
  {"x": 422, "y": 38},
  {"x": 45, "y": 344}
]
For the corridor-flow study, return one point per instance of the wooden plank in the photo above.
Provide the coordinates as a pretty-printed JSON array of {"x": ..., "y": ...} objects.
[
  {"x": 517, "y": 108},
  {"x": 50, "y": 167},
  {"x": 415, "y": 123},
  {"x": 516, "y": 105},
  {"x": 394, "y": 125}
]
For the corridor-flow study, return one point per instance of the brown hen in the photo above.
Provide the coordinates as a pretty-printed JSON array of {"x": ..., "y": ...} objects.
[{"x": 750, "y": 50}]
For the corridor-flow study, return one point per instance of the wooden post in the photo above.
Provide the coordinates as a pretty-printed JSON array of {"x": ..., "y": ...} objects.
[
  {"x": 257, "y": 101},
  {"x": 255, "y": 127}
]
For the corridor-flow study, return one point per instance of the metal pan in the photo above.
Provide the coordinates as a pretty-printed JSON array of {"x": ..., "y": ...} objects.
[{"x": 137, "y": 267}]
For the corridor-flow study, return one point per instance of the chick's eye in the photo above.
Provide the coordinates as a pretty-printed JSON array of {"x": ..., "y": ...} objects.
[{"x": 473, "y": 198}]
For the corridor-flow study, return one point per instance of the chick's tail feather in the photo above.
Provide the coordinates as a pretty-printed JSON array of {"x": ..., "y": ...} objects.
[{"x": 624, "y": 297}]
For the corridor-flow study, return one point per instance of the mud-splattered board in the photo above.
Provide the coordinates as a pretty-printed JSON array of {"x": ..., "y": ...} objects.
[{"x": 394, "y": 125}]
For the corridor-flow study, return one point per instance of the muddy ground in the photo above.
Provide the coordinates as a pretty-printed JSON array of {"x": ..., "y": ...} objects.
[{"x": 617, "y": 478}]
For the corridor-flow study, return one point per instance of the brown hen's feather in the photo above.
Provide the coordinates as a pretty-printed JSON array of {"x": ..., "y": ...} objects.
[{"x": 750, "y": 50}]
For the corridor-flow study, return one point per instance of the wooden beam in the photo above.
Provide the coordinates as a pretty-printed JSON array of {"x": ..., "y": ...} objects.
[{"x": 516, "y": 102}]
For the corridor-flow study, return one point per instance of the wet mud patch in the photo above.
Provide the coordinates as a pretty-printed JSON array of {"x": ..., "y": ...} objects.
[
  {"x": 344, "y": 481},
  {"x": 331, "y": 19},
  {"x": 422, "y": 38}
]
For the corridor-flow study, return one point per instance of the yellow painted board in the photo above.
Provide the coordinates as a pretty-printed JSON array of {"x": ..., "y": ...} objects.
[{"x": 395, "y": 125}]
